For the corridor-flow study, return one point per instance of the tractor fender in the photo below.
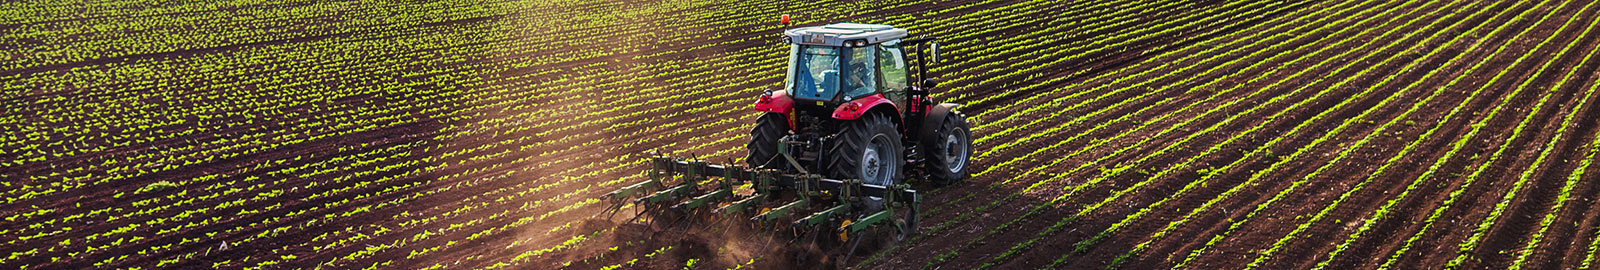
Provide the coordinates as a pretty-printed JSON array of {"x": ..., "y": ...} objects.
[
  {"x": 775, "y": 102},
  {"x": 935, "y": 118},
  {"x": 855, "y": 108}
]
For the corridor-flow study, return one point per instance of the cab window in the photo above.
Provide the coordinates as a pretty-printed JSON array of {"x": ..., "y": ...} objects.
[
  {"x": 892, "y": 63},
  {"x": 860, "y": 78},
  {"x": 814, "y": 72}
]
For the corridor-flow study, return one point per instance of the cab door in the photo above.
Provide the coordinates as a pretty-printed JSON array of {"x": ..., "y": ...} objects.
[{"x": 893, "y": 72}]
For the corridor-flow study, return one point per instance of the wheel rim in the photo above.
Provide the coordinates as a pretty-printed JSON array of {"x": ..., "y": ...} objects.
[
  {"x": 955, "y": 154},
  {"x": 876, "y": 163}
]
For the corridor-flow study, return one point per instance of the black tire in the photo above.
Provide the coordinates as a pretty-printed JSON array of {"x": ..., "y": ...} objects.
[
  {"x": 763, "y": 146},
  {"x": 869, "y": 149},
  {"x": 950, "y": 151}
]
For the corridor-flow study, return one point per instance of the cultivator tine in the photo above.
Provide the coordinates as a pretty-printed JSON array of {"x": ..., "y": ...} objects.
[
  {"x": 659, "y": 166},
  {"x": 611, "y": 211},
  {"x": 914, "y": 203},
  {"x": 696, "y": 171},
  {"x": 619, "y": 198},
  {"x": 780, "y": 212},
  {"x": 694, "y": 187},
  {"x": 809, "y": 233},
  {"x": 698, "y": 201},
  {"x": 663, "y": 167},
  {"x": 632, "y": 190},
  {"x": 742, "y": 206},
  {"x": 724, "y": 191},
  {"x": 682, "y": 221},
  {"x": 764, "y": 244},
  {"x": 666, "y": 195},
  {"x": 639, "y": 214},
  {"x": 870, "y": 220},
  {"x": 822, "y": 216},
  {"x": 845, "y": 261}
]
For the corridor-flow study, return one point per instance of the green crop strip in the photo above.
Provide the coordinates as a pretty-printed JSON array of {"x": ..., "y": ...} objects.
[
  {"x": 1380, "y": 130},
  {"x": 1104, "y": 202},
  {"x": 1264, "y": 148},
  {"x": 1471, "y": 243},
  {"x": 984, "y": 125},
  {"x": 1174, "y": 25},
  {"x": 1594, "y": 246},
  {"x": 1573, "y": 179},
  {"x": 948, "y": 254},
  {"x": 1383, "y": 211},
  {"x": 1456, "y": 146},
  {"x": 1173, "y": 168},
  {"x": 994, "y": 186},
  {"x": 1175, "y": 224},
  {"x": 1056, "y": 102}
]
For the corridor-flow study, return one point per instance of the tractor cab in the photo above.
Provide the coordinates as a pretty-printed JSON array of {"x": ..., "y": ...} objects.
[
  {"x": 845, "y": 61},
  {"x": 841, "y": 62}
]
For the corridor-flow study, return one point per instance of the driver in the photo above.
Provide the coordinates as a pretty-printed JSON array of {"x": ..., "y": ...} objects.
[{"x": 856, "y": 82}]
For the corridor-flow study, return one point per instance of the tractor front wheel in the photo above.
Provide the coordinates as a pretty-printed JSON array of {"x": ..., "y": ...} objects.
[{"x": 868, "y": 149}]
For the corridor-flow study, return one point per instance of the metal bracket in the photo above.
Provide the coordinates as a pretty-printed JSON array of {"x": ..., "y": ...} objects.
[{"x": 783, "y": 150}]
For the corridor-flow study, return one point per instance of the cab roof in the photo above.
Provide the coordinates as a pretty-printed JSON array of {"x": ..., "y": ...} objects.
[{"x": 840, "y": 33}]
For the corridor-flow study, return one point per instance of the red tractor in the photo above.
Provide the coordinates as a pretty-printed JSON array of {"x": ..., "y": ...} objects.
[
  {"x": 833, "y": 148},
  {"x": 849, "y": 109}
]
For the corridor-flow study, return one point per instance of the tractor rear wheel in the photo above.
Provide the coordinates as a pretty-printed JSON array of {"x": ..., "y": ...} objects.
[
  {"x": 763, "y": 146},
  {"x": 868, "y": 149},
  {"x": 950, "y": 148}
]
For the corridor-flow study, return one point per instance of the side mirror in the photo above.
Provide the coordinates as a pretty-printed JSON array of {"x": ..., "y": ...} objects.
[
  {"x": 930, "y": 83},
  {"x": 935, "y": 53}
]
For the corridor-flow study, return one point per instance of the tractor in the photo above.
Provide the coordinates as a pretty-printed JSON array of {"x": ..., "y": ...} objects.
[
  {"x": 849, "y": 110},
  {"x": 842, "y": 140}
]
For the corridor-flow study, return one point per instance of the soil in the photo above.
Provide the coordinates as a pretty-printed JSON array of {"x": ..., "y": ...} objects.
[{"x": 452, "y": 141}]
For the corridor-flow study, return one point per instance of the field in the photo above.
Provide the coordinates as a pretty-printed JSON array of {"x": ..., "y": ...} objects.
[{"x": 1198, "y": 134}]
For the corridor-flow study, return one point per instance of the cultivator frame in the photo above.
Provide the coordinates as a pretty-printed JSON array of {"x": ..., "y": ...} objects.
[{"x": 693, "y": 189}]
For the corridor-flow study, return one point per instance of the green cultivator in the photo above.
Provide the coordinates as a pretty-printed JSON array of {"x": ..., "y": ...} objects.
[{"x": 693, "y": 187}]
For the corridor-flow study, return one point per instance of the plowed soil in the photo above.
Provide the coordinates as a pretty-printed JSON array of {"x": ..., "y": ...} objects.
[{"x": 1272, "y": 134}]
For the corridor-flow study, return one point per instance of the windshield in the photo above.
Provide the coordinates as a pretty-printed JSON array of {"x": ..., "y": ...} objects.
[
  {"x": 821, "y": 72},
  {"x": 815, "y": 72}
]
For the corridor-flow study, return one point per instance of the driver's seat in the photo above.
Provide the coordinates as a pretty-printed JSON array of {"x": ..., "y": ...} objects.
[{"x": 829, "y": 78}]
